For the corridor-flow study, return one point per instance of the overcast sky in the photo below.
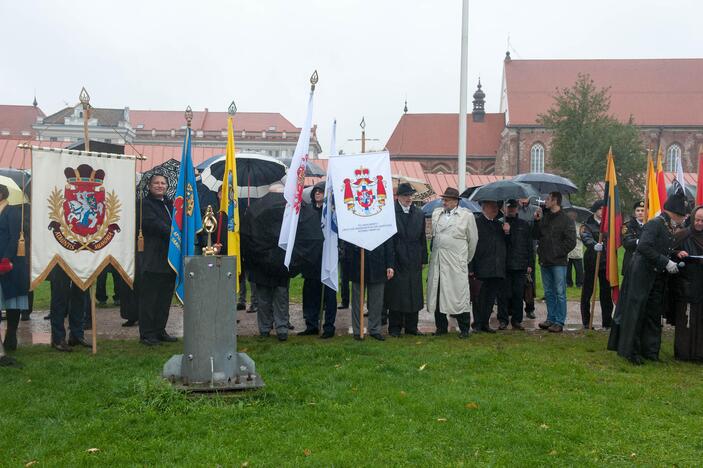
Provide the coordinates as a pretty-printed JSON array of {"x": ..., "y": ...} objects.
[{"x": 370, "y": 54}]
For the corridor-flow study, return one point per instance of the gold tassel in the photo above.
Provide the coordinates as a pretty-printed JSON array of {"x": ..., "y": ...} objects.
[
  {"x": 140, "y": 242},
  {"x": 20, "y": 245}
]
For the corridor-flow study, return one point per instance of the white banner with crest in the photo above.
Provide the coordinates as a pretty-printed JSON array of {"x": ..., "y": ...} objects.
[
  {"x": 363, "y": 193},
  {"x": 83, "y": 214}
]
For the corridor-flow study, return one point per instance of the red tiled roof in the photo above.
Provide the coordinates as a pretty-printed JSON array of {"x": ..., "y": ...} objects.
[
  {"x": 438, "y": 135},
  {"x": 210, "y": 121},
  {"x": 440, "y": 182},
  {"x": 17, "y": 119},
  {"x": 653, "y": 91},
  {"x": 11, "y": 155}
]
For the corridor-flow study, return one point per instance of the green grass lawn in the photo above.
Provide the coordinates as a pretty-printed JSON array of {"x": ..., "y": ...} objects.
[{"x": 505, "y": 400}]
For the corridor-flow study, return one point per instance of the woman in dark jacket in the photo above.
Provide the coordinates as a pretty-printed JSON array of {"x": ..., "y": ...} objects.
[
  {"x": 14, "y": 270},
  {"x": 156, "y": 277}
]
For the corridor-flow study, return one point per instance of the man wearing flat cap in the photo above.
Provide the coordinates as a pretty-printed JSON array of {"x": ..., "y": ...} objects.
[
  {"x": 590, "y": 236},
  {"x": 630, "y": 234},
  {"x": 636, "y": 332},
  {"x": 403, "y": 295},
  {"x": 454, "y": 239}
]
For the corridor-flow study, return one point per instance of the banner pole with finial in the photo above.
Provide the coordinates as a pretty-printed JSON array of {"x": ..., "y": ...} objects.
[
  {"x": 84, "y": 98},
  {"x": 362, "y": 266}
]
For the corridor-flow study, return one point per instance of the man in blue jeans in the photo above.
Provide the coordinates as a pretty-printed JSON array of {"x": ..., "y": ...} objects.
[{"x": 556, "y": 236}]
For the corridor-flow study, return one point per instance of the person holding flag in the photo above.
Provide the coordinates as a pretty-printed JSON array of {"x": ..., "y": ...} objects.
[{"x": 595, "y": 246}]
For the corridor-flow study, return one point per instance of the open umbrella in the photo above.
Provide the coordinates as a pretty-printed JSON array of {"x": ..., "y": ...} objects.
[
  {"x": 20, "y": 177},
  {"x": 17, "y": 196},
  {"x": 545, "y": 182},
  {"x": 423, "y": 190},
  {"x": 168, "y": 169},
  {"x": 311, "y": 169},
  {"x": 582, "y": 214},
  {"x": 503, "y": 190},
  {"x": 255, "y": 172},
  {"x": 428, "y": 208}
]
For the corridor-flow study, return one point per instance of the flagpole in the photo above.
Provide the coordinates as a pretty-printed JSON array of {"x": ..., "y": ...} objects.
[
  {"x": 361, "y": 271},
  {"x": 646, "y": 187},
  {"x": 463, "y": 95},
  {"x": 600, "y": 240},
  {"x": 84, "y": 98}
]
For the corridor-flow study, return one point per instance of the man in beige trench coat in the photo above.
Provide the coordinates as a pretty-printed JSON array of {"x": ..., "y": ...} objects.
[{"x": 454, "y": 238}]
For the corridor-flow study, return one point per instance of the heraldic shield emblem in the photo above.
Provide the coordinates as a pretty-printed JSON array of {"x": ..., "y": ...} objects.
[
  {"x": 84, "y": 216},
  {"x": 365, "y": 195}
]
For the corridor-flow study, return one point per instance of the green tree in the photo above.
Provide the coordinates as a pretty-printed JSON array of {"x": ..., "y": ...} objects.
[{"x": 583, "y": 131}]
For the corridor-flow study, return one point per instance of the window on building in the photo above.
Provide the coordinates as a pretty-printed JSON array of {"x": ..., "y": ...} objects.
[
  {"x": 537, "y": 158},
  {"x": 108, "y": 140},
  {"x": 672, "y": 154},
  {"x": 53, "y": 138}
]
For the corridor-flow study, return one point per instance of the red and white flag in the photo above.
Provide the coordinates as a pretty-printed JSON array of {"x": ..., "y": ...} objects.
[{"x": 295, "y": 181}]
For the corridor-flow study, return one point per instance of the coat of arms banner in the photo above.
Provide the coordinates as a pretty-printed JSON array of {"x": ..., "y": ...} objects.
[
  {"x": 363, "y": 194},
  {"x": 82, "y": 214}
]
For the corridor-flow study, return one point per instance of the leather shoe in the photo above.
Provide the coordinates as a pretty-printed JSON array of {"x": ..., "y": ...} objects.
[
  {"x": 282, "y": 336},
  {"x": 309, "y": 331},
  {"x": 503, "y": 326},
  {"x": 415, "y": 333},
  {"x": 377, "y": 336},
  {"x": 636, "y": 360},
  {"x": 129, "y": 323},
  {"x": 72, "y": 341},
  {"x": 530, "y": 315},
  {"x": 241, "y": 306},
  {"x": 24, "y": 316},
  {"x": 61, "y": 346},
  {"x": 326, "y": 335},
  {"x": 545, "y": 325},
  {"x": 168, "y": 338},
  {"x": 464, "y": 335},
  {"x": 555, "y": 328},
  {"x": 487, "y": 329},
  {"x": 439, "y": 333},
  {"x": 149, "y": 341},
  {"x": 518, "y": 326},
  {"x": 394, "y": 334}
]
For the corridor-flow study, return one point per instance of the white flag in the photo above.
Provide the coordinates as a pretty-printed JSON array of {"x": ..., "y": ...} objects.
[
  {"x": 295, "y": 182},
  {"x": 681, "y": 187},
  {"x": 364, "y": 192},
  {"x": 83, "y": 212},
  {"x": 330, "y": 256}
]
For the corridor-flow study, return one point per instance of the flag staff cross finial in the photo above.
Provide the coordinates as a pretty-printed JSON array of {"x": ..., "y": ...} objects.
[
  {"x": 232, "y": 109},
  {"x": 189, "y": 116}
]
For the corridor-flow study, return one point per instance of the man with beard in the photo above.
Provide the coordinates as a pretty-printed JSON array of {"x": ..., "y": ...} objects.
[
  {"x": 403, "y": 295},
  {"x": 630, "y": 234},
  {"x": 636, "y": 332}
]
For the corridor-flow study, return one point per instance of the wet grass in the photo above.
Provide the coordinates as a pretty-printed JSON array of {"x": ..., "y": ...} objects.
[{"x": 511, "y": 399}]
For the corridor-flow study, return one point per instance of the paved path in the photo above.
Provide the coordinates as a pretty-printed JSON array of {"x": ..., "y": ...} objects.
[{"x": 38, "y": 331}]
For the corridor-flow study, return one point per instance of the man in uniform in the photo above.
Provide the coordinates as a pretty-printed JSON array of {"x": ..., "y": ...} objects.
[
  {"x": 454, "y": 239},
  {"x": 636, "y": 332},
  {"x": 630, "y": 234},
  {"x": 590, "y": 236},
  {"x": 403, "y": 296}
]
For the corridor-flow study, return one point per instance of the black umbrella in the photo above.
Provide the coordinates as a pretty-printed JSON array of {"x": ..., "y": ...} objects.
[
  {"x": 503, "y": 190},
  {"x": 168, "y": 169},
  {"x": 428, "y": 208},
  {"x": 311, "y": 170},
  {"x": 545, "y": 182},
  {"x": 582, "y": 214},
  {"x": 255, "y": 172}
]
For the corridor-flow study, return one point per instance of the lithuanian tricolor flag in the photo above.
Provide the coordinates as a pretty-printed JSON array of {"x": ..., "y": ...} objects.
[{"x": 611, "y": 225}]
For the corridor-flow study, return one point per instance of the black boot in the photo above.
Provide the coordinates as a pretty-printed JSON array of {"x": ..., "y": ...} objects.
[{"x": 13, "y": 321}]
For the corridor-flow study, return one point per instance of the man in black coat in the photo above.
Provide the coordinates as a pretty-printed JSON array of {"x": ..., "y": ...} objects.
[
  {"x": 488, "y": 264},
  {"x": 403, "y": 294},
  {"x": 590, "y": 236},
  {"x": 630, "y": 234},
  {"x": 379, "y": 267},
  {"x": 157, "y": 279},
  {"x": 519, "y": 260},
  {"x": 636, "y": 331}
]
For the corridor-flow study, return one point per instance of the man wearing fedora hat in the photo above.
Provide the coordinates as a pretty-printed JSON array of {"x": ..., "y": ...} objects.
[
  {"x": 636, "y": 331},
  {"x": 454, "y": 239},
  {"x": 403, "y": 295}
]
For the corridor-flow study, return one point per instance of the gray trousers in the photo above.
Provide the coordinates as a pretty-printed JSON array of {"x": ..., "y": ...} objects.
[
  {"x": 273, "y": 309},
  {"x": 374, "y": 296}
]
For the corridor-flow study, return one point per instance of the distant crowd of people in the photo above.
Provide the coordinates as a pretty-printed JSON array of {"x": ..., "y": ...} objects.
[{"x": 476, "y": 261}]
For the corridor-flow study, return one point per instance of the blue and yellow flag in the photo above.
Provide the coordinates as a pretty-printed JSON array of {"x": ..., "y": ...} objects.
[
  {"x": 229, "y": 199},
  {"x": 186, "y": 221}
]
